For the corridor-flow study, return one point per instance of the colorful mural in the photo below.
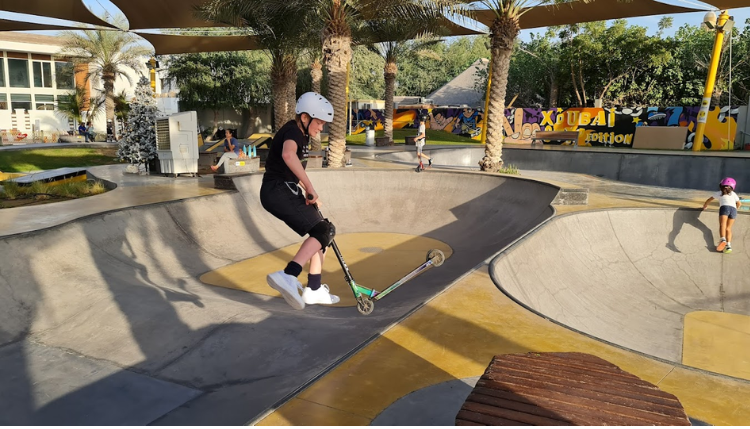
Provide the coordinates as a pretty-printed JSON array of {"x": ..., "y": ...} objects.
[
  {"x": 614, "y": 127},
  {"x": 466, "y": 122}
]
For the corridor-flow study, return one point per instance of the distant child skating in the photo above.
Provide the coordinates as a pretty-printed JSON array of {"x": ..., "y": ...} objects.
[
  {"x": 419, "y": 141},
  {"x": 729, "y": 202}
]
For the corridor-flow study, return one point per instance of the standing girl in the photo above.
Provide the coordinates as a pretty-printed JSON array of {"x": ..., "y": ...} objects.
[{"x": 729, "y": 202}]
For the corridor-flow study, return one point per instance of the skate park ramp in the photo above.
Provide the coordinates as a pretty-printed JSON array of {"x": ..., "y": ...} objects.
[
  {"x": 103, "y": 320},
  {"x": 637, "y": 278}
]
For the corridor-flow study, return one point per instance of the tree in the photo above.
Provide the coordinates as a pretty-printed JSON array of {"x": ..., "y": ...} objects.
[
  {"x": 424, "y": 23},
  {"x": 77, "y": 105},
  {"x": 337, "y": 22},
  {"x": 503, "y": 33},
  {"x": 221, "y": 80},
  {"x": 138, "y": 145},
  {"x": 280, "y": 30},
  {"x": 106, "y": 54}
]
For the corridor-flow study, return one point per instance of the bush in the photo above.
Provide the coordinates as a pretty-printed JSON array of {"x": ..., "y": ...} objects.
[
  {"x": 44, "y": 191},
  {"x": 10, "y": 190},
  {"x": 509, "y": 169}
]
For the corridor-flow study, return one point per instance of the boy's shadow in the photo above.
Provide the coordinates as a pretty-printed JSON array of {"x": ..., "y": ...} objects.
[{"x": 690, "y": 216}]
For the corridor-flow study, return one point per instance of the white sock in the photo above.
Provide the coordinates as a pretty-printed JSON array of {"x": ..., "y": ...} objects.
[{"x": 723, "y": 239}]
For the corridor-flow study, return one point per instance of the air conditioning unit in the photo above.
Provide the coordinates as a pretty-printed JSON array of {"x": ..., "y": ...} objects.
[{"x": 177, "y": 143}]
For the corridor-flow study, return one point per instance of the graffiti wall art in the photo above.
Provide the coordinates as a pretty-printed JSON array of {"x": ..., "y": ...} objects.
[{"x": 611, "y": 127}]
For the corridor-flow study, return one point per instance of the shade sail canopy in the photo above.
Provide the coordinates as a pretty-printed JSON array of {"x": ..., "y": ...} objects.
[
  {"x": 599, "y": 10},
  {"x": 69, "y": 10},
  {"x": 459, "y": 30},
  {"x": 148, "y": 14},
  {"x": 728, "y": 4},
  {"x": 8, "y": 25},
  {"x": 165, "y": 44}
]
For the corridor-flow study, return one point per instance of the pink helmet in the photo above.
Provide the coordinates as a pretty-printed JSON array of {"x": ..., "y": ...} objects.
[{"x": 728, "y": 181}]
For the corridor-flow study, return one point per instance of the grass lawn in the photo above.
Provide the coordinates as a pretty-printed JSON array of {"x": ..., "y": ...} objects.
[
  {"x": 433, "y": 137},
  {"x": 19, "y": 161}
]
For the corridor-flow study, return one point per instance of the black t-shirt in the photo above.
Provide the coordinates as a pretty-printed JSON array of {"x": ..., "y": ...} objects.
[{"x": 276, "y": 168}]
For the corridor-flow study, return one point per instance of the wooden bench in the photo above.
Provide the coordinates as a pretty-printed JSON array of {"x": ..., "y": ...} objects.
[
  {"x": 566, "y": 389},
  {"x": 560, "y": 136}
]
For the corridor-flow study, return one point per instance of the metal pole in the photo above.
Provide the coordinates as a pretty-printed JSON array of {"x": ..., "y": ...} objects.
[
  {"x": 729, "y": 103},
  {"x": 710, "y": 82}
]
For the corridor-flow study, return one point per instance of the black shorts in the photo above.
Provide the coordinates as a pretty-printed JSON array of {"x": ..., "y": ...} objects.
[
  {"x": 279, "y": 199},
  {"x": 728, "y": 211}
]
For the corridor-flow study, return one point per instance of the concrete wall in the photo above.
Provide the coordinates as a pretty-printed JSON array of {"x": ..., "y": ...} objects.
[{"x": 673, "y": 169}]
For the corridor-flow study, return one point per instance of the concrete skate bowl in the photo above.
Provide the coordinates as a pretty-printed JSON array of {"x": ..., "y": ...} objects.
[
  {"x": 138, "y": 339},
  {"x": 458, "y": 158},
  {"x": 631, "y": 277}
]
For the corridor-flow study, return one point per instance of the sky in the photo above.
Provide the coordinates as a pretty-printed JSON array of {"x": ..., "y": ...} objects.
[{"x": 99, "y": 7}]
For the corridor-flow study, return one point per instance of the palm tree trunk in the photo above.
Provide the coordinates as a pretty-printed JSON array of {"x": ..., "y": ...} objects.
[
  {"x": 503, "y": 33},
  {"x": 316, "y": 72},
  {"x": 291, "y": 94},
  {"x": 109, "y": 94},
  {"x": 390, "y": 71},
  {"x": 283, "y": 67},
  {"x": 278, "y": 88},
  {"x": 337, "y": 49}
]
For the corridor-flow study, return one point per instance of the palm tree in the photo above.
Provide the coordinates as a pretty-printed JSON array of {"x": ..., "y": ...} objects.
[
  {"x": 338, "y": 21},
  {"x": 426, "y": 22},
  {"x": 106, "y": 54},
  {"x": 278, "y": 30},
  {"x": 78, "y": 106},
  {"x": 503, "y": 33}
]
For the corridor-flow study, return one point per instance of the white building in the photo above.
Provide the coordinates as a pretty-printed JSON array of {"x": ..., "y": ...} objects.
[{"x": 34, "y": 77}]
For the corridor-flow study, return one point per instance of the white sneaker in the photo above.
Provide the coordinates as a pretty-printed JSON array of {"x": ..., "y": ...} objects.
[
  {"x": 321, "y": 296},
  {"x": 288, "y": 286}
]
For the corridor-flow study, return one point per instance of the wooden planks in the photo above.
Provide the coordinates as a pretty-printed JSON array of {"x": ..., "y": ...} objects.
[{"x": 552, "y": 389}]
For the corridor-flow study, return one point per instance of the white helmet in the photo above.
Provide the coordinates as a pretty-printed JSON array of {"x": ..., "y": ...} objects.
[{"x": 316, "y": 106}]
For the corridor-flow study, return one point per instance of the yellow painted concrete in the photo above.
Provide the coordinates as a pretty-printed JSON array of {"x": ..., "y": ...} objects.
[
  {"x": 718, "y": 342},
  {"x": 313, "y": 414},
  {"x": 455, "y": 336},
  {"x": 6, "y": 176},
  {"x": 599, "y": 201},
  {"x": 376, "y": 260}
]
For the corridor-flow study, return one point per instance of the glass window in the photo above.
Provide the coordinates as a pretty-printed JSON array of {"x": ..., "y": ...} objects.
[
  {"x": 45, "y": 102},
  {"x": 64, "y": 75},
  {"x": 18, "y": 73},
  {"x": 2, "y": 71},
  {"x": 20, "y": 101},
  {"x": 42, "y": 74},
  {"x": 3, "y": 101}
]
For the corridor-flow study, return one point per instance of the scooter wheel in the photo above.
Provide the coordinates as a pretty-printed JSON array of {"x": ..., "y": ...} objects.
[
  {"x": 436, "y": 256},
  {"x": 365, "y": 306},
  {"x": 417, "y": 169}
]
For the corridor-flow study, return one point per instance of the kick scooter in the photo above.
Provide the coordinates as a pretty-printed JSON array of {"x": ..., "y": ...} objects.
[{"x": 366, "y": 297}]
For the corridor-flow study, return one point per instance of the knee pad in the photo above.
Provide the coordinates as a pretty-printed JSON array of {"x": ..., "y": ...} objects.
[{"x": 323, "y": 231}]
